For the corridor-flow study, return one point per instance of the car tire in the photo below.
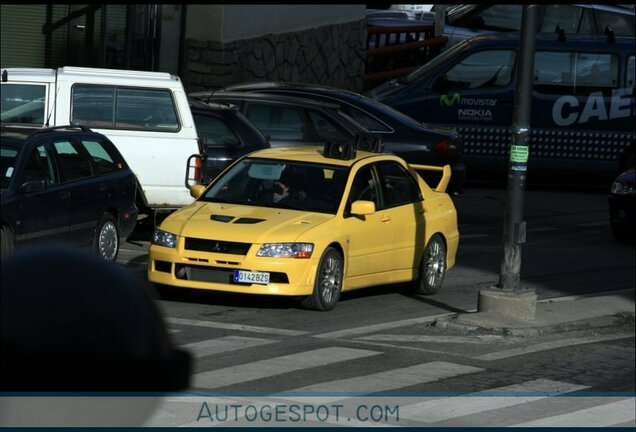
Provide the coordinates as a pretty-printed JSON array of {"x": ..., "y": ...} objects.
[
  {"x": 328, "y": 283},
  {"x": 432, "y": 267},
  {"x": 6, "y": 242},
  {"x": 106, "y": 239},
  {"x": 167, "y": 292}
]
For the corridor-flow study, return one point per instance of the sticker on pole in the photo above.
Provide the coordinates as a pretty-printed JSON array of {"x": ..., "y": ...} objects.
[{"x": 519, "y": 154}]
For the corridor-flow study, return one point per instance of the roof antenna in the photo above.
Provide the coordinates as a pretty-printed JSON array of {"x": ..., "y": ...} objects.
[
  {"x": 54, "y": 105},
  {"x": 611, "y": 38},
  {"x": 561, "y": 32}
]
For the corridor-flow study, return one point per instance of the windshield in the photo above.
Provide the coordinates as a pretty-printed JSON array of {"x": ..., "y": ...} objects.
[
  {"x": 8, "y": 157},
  {"x": 281, "y": 184},
  {"x": 436, "y": 61}
]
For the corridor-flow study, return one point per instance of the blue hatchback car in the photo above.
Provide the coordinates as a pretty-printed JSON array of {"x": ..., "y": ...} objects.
[{"x": 65, "y": 184}]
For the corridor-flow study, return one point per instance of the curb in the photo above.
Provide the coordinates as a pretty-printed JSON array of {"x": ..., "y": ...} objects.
[{"x": 492, "y": 324}]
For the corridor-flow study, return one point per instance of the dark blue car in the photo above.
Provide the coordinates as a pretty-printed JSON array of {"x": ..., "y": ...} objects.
[
  {"x": 413, "y": 141},
  {"x": 582, "y": 118},
  {"x": 64, "y": 185}
]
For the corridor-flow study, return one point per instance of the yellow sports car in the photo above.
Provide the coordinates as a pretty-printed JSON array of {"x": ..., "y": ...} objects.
[{"x": 309, "y": 222}]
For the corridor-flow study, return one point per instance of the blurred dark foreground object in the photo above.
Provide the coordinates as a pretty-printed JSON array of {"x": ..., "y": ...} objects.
[{"x": 70, "y": 321}]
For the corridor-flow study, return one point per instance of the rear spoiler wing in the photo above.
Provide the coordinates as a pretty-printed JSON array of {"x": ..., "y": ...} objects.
[{"x": 445, "y": 170}]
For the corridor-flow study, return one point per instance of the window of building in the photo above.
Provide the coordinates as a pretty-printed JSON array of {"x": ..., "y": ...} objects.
[
  {"x": 572, "y": 19},
  {"x": 622, "y": 24}
]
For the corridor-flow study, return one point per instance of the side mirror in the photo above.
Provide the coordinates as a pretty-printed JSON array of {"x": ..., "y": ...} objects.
[
  {"x": 197, "y": 190},
  {"x": 33, "y": 186},
  {"x": 362, "y": 208}
]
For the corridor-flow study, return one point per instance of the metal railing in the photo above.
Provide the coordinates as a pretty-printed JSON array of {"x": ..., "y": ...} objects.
[{"x": 395, "y": 51}]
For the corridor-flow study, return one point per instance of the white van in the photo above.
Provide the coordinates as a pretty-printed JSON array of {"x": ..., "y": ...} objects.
[{"x": 145, "y": 114}]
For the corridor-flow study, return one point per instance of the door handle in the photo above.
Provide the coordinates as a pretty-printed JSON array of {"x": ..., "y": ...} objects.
[
  {"x": 65, "y": 195},
  {"x": 103, "y": 187},
  {"x": 385, "y": 218}
]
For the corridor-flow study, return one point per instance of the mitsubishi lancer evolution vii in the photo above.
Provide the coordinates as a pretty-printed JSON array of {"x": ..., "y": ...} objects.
[{"x": 309, "y": 222}]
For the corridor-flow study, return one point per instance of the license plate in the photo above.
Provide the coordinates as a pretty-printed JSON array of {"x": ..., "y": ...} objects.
[{"x": 251, "y": 277}]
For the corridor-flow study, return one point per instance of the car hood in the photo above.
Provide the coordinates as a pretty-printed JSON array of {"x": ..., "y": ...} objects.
[{"x": 241, "y": 223}]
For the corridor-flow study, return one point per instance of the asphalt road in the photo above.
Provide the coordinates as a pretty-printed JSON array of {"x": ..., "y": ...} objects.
[
  {"x": 569, "y": 251},
  {"x": 379, "y": 341}
]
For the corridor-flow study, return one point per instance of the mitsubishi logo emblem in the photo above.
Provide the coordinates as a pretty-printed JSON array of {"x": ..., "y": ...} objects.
[{"x": 217, "y": 247}]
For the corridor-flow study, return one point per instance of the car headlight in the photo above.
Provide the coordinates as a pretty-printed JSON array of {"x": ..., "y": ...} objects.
[
  {"x": 622, "y": 188},
  {"x": 286, "y": 250},
  {"x": 164, "y": 238}
]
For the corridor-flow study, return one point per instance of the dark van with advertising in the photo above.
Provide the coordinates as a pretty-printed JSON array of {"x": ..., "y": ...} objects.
[{"x": 582, "y": 106}]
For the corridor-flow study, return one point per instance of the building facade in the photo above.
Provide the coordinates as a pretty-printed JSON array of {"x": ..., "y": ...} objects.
[{"x": 208, "y": 46}]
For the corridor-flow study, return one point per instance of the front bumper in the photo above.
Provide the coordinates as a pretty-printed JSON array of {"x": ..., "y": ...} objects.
[{"x": 214, "y": 271}]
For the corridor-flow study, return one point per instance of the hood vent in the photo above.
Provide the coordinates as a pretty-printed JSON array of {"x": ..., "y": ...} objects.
[
  {"x": 221, "y": 218},
  {"x": 246, "y": 220}
]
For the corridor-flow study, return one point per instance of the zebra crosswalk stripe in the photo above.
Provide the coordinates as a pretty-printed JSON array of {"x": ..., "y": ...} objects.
[
  {"x": 448, "y": 408},
  {"x": 277, "y": 366},
  {"x": 224, "y": 344},
  {"x": 394, "y": 379},
  {"x": 599, "y": 416}
]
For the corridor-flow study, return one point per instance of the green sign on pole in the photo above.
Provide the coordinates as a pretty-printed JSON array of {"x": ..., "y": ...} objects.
[{"x": 519, "y": 154}]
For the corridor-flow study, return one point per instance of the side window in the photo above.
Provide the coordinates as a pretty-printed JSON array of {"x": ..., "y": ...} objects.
[
  {"x": 502, "y": 17},
  {"x": 283, "y": 124},
  {"x": 102, "y": 160},
  {"x": 398, "y": 187},
  {"x": 623, "y": 25},
  {"x": 481, "y": 70},
  {"x": 123, "y": 108},
  {"x": 567, "y": 72},
  {"x": 364, "y": 187},
  {"x": 93, "y": 106},
  {"x": 368, "y": 122},
  {"x": 322, "y": 127},
  {"x": 73, "y": 164},
  {"x": 39, "y": 166},
  {"x": 629, "y": 73},
  {"x": 569, "y": 17},
  {"x": 22, "y": 103},
  {"x": 214, "y": 132},
  {"x": 145, "y": 109}
]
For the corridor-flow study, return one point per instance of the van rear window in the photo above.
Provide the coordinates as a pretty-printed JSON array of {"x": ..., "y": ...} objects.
[
  {"x": 575, "y": 73},
  {"x": 23, "y": 104},
  {"x": 110, "y": 107}
]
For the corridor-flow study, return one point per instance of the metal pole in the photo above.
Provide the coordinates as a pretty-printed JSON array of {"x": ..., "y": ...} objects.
[
  {"x": 440, "y": 18},
  {"x": 514, "y": 230}
]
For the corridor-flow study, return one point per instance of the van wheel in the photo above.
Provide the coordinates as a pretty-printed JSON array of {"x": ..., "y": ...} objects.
[
  {"x": 6, "y": 242},
  {"x": 328, "y": 283},
  {"x": 432, "y": 267},
  {"x": 106, "y": 240}
]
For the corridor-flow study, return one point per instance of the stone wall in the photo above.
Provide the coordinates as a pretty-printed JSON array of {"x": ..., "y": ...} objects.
[{"x": 332, "y": 55}]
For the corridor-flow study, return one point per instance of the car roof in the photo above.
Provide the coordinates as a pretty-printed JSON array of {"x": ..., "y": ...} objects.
[
  {"x": 215, "y": 106},
  {"x": 314, "y": 154},
  {"x": 23, "y": 133},
  {"x": 551, "y": 40},
  {"x": 269, "y": 97}
]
